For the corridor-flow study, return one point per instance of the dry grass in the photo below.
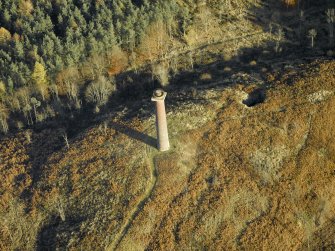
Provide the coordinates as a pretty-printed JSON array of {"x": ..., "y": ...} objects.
[
  {"x": 207, "y": 212},
  {"x": 91, "y": 183},
  {"x": 18, "y": 229},
  {"x": 268, "y": 162}
]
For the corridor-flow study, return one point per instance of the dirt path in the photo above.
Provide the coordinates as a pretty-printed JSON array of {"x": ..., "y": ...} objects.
[{"x": 136, "y": 210}]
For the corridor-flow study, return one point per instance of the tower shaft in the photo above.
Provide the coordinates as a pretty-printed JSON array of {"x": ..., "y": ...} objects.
[{"x": 161, "y": 122}]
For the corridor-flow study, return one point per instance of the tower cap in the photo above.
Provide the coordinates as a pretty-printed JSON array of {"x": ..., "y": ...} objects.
[{"x": 159, "y": 94}]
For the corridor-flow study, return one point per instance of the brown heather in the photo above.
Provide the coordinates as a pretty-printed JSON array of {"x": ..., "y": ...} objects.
[{"x": 249, "y": 178}]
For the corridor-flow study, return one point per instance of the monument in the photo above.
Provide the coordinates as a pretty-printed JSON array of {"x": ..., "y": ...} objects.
[{"x": 163, "y": 144}]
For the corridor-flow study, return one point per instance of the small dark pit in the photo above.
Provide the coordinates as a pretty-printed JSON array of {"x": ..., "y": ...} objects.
[
  {"x": 256, "y": 97},
  {"x": 210, "y": 180}
]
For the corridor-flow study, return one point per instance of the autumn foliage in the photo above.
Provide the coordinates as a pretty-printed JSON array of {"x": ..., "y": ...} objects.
[
  {"x": 117, "y": 61},
  {"x": 4, "y": 35},
  {"x": 290, "y": 3}
]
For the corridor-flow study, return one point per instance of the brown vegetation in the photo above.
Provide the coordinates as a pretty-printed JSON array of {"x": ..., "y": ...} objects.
[
  {"x": 117, "y": 61},
  {"x": 255, "y": 185},
  {"x": 237, "y": 177},
  {"x": 252, "y": 178},
  {"x": 156, "y": 43}
]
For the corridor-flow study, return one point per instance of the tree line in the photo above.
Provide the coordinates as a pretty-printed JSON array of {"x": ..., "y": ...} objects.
[
  {"x": 50, "y": 48},
  {"x": 57, "y": 54}
]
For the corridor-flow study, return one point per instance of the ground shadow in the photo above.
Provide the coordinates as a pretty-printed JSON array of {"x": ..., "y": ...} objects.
[
  {"x": 57, "y": 233},
  {"x": 322, "y": 239},
  {"x": 41, "y": 145},
  {"x": 47, "y": 236},
  {"x": 252, "y": 65},
  {"x": 134, "y": 134}
]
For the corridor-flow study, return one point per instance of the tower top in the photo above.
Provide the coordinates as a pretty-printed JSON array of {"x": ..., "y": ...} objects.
[{"x": 158, "y": 95}]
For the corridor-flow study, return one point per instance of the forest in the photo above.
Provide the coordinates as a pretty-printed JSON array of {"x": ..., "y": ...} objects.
[
  {"x": 57, "y": 56},
  {"x": 51, "y": 48}
]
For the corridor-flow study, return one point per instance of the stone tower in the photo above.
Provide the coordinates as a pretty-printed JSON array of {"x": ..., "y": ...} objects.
[{"x": 161, "y": 123}]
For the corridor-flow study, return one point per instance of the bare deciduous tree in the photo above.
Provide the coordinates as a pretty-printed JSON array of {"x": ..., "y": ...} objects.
[
  {"x": 190, "y": 56},
  {"x": 105, "y": 127},
  {"x": 97, "y": 63},
  {"x": 36, "y": 103},
  {"x": 161, "y": 73},
  {"x": 4, "y": 113},
  {"x": 174, "y": 65},
  {"x": 312, "y": 34},
  {"x": 99, "y": 91},
  {"x": 72, "y": 92},
  {"x": 205, "y": 18},
  {"x": 331, "y": 19},
  {"x": 60, "y": 208},
  {"x": 64, "y": 135},
  {"x": 224, "y": 6},
  {"x": 302, "y": 19},
  {"x": 23, "y": 95},
  {"x": 156, "y": 44},
  {"x": 13, "y": 102},
  {"x": 68, "y": 81},
  {"x": 54, "y": 91},
  {"x": 279, "y": 38},
  {"x": 2, "y": 89}
]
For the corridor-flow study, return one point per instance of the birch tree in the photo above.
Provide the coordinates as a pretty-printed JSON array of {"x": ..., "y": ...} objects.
[
  {"x": 331, "y": 19},
  {"x": 39, "y": 76},
  {"x": 312, "y": 34}
]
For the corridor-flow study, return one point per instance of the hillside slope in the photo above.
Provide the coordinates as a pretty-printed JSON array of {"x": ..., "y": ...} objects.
[
  {"x": 258, "y": 178},
  {"x": 237, "y": 177}
]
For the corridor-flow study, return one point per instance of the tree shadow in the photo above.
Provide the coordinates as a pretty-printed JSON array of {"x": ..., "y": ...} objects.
[
  {"x": 47, "y": 236},
  {"x": 57, "y": 233},
  {"x": 42, "y": 144}
]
